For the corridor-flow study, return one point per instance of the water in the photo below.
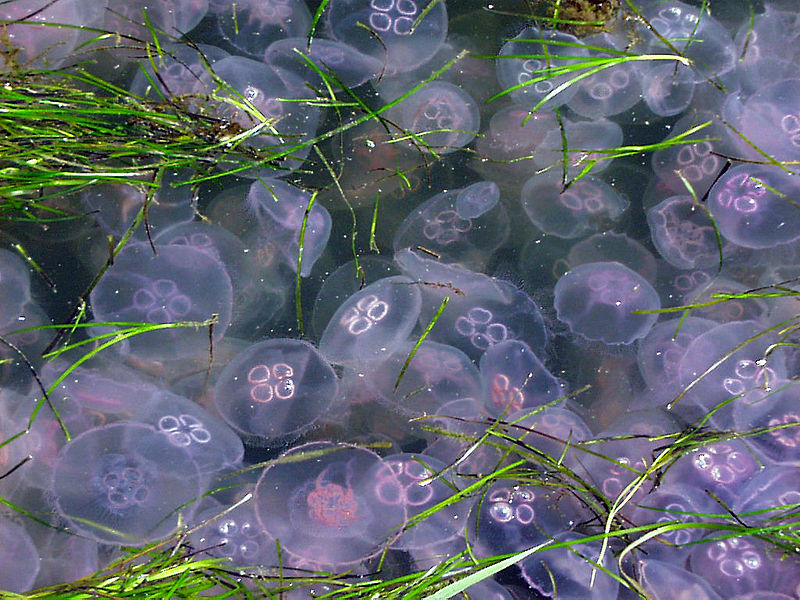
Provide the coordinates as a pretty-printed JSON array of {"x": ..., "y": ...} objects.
[{"x": 461, "y": 217}]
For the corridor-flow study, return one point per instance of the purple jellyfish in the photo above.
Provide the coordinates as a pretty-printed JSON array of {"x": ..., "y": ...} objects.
[
  {"x": 599, "y": 301},
  {"x": 275, "y": 390},
  {"x": 320, "y": 502},
  {"x": 124, "y": 484}
]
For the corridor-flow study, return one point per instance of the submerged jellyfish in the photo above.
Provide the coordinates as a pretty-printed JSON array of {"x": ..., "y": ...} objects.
[
  {"x": 614, "y": 247},
  {"x": 666, "y": 581},
  {"x": 735, "y": 565},
  {"x": 511, "y": 517},
  {"x": 688, "y": 167},
  {"x": 436, "y": 374},
  {"x": 525, "y": 61},
  {"x": 346, "y": 281},
  {"x": 610, "y": 91},
  {"x": 275, "y": 389},
  {"x": 180, "y": 283},
  {"x": 728, "y": 362},
  {"x": 210, "y": 442},
  {"x": 19, "y": 559},
  {"x": 441, "y": 117},
  {"x": 660, "y": 353},
  {"x": 257, "y": 96},
  {"x": 588, "y": 205},
  {"x": 481, "y": 311},
  {"x": 252, "y": 25},
  {"x": 755, "y": 206},
  {"x": 668, "y": 90},
  {"x": 464, "y": 226},
  {"x": 124, "y": 484},
  {"x": 235, "y": 535},
  {"x": 282, "y": 212},
  {"x": 677, "y": 27},
  {"x": 552, "y": 430},
  {"x": 373, "y": 322},
  {"x": 401, "y": 34},
  {"x": 570, "y": 573},
  {"x": 777, "y": 416},
  {"x": 683, "y": 233},
  {"x": 505, "y": 151},
  {"x": 667, "y": 504},
  {"x": 320, "y": 502},
  {"x": 583, "y": 138},
  {"x": 175, "y": 72},
  {"x": 515, "y": 379},
  {"x": 598, "y": 301},
  {"x": 721, "y": 468},
  {"x": 344, "y": 62},
  {"x": 32, "y": 37},
  {"x": 418, "y": 483},
  {"x": 768, "y": 119}
]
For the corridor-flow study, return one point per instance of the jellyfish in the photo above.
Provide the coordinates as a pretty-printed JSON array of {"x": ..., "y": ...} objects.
[
  {"x": 124, "y": 483},
  {"x": 602, "y": 301}
]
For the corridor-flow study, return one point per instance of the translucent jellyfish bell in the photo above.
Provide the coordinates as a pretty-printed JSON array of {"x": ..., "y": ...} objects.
[
  {"x": 177, "y": 71},
  {"x": 436, "y": 374},
  {"x": 598, "y": 302},
  {"x": 586, "y": 206},
  {"x": 660, "y": 352},
  {"x": 124, "y": 484},
  {"x": 510, "y": 517},
  {"x": 722, "y": 468},
  {"x": 419, "y": 482},
  {"x": 275, "y": 390},
  {"x": 694, "y": 34},
  {"x": 504, "y": 151},
  {"x": 514, "y": 379},
  {"x": 696, "y": 164},
  {"x": 346, "y": 281},
  {"x": 668, "y": 89},
  {"x": 178, "y": 284},
  {"x": 319, "y": 501},
  {"x": 349, "y": 66},
  {"x": 373, "y": 322},
  {"x": 778, "y": 417},
  {"x": 583, "y": 137},
  {"x": 255, "y": 90},
  {"x": 463, "y": 225},
  {"x": 683, "y": 233},
  {"x": 210, "y": 442},
  {"x": 610, "y": 246},
  {"x": 565, "y": 573},
  {"x": 252, "y": 25},
  {"x": 769, "y": 119},
  {"x": 610, "y": 91},
  {"x": 735, "y": 565},
  {"x": 739, "y": 370},
  {"x": 236, "y": 536},
  {"x": 401, "y": 34},
  {"x": 279, "y": 208},
  {"x": 441, "y": 116},
  {"x": 482, "y": 311},
  {"x": 666, "y": 581},
  {"x": 19, "y": 559},
  {"x": 29, "y": 30},
  {"x": 667, "y": 504},
  {"x": 552, "y": 430},
  {"x": 754, "y": 206},
  {"x": 530, "y": 56}
]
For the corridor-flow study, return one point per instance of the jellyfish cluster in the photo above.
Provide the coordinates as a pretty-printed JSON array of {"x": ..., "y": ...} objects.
[{"x": 505, "y": 284}]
